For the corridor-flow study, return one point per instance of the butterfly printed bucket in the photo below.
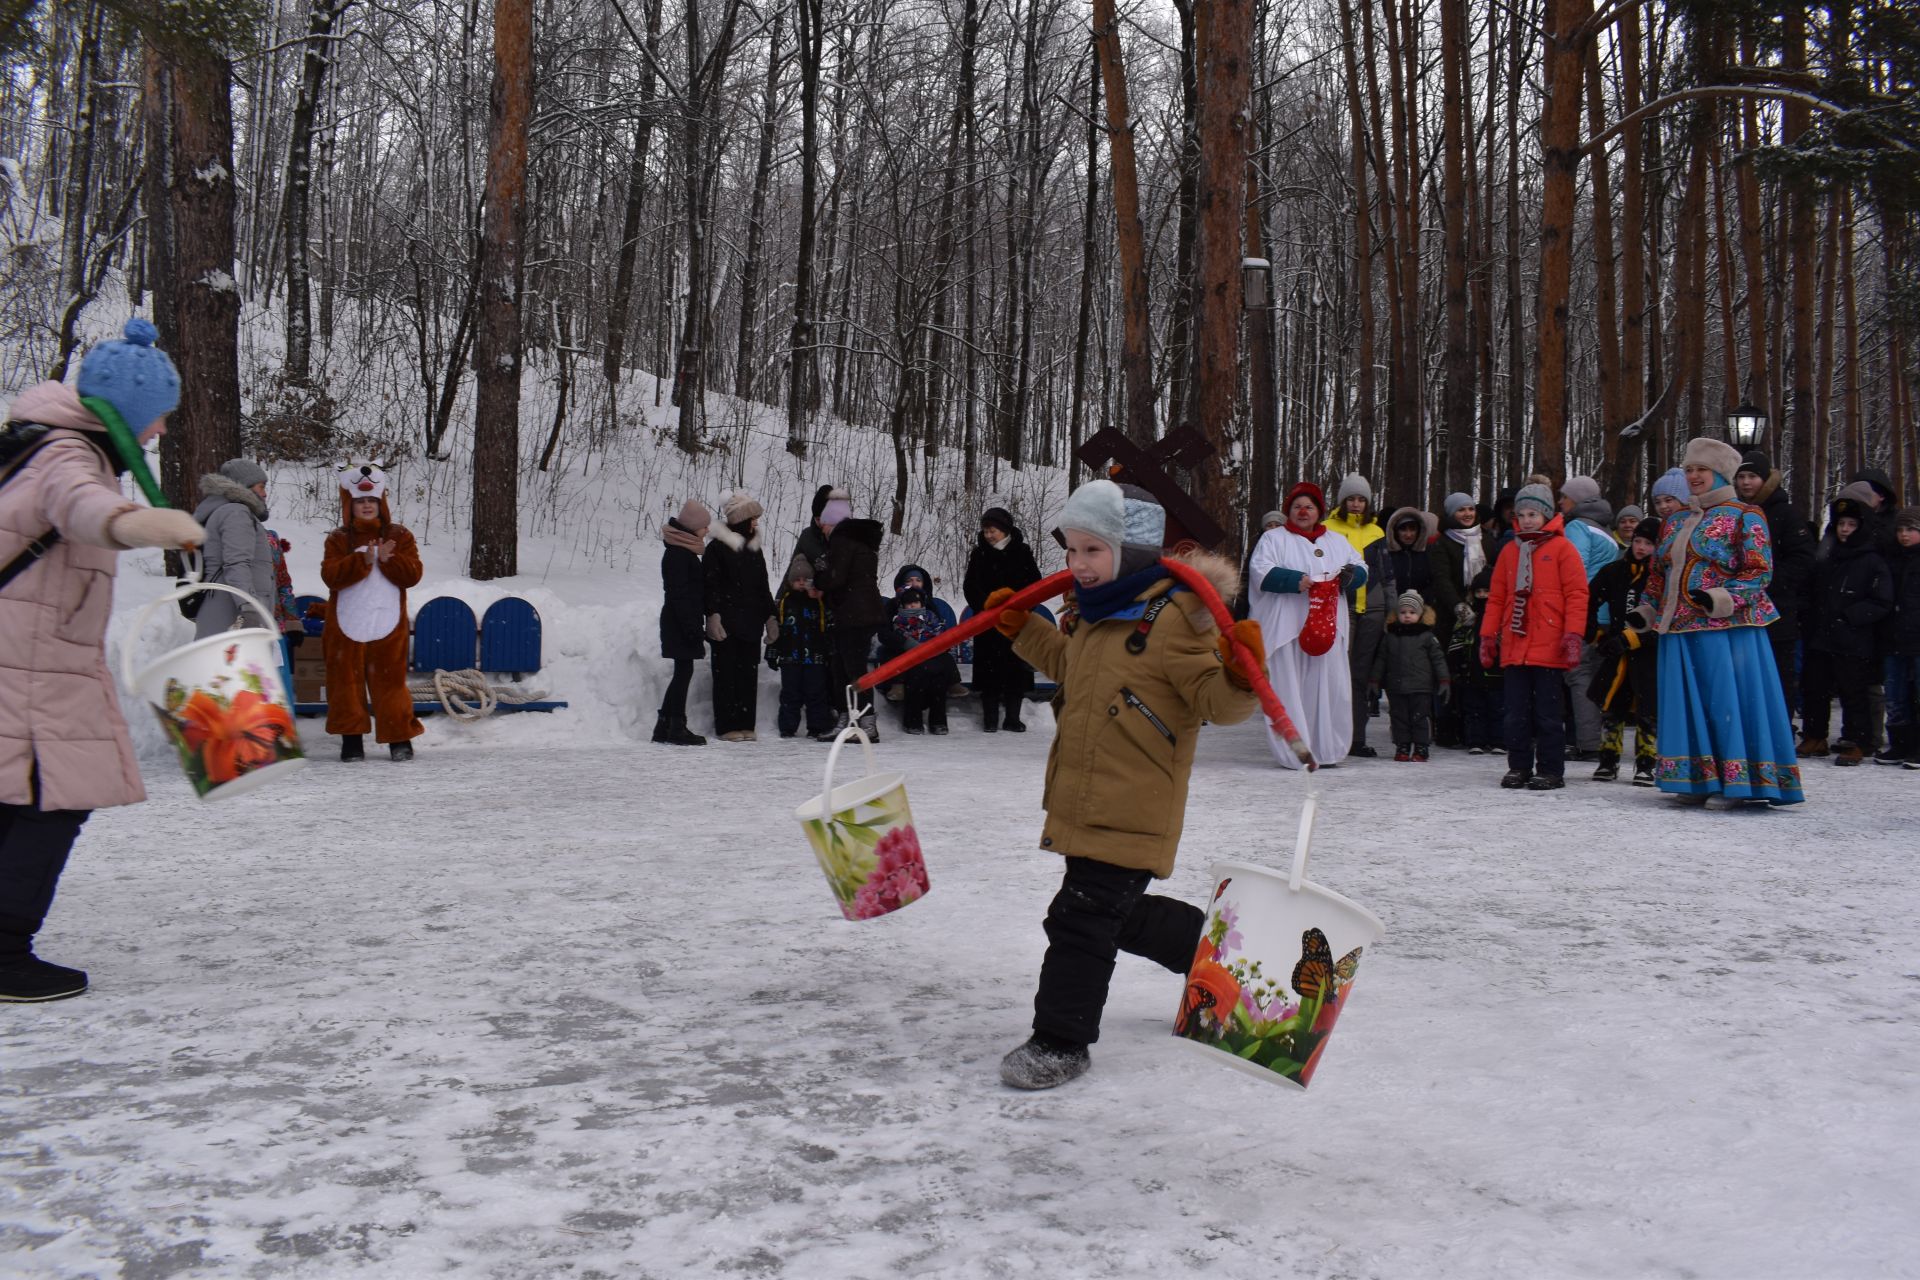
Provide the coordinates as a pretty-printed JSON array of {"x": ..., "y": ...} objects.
[
  {"x": 1275, "y": 968},
  {"x": 222, "y": 700},
  {"x": 862, "y": 832}
]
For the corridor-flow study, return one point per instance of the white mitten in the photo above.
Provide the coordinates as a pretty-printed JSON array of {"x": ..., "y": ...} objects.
[{"x": 156, "y": 527}]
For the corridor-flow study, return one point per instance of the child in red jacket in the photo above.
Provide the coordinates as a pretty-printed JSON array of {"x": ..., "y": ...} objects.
[{"x": 1532, "y": 631}]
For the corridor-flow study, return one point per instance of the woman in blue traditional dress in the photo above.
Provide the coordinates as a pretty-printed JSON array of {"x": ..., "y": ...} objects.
[{"x": 1724, "y": 728}]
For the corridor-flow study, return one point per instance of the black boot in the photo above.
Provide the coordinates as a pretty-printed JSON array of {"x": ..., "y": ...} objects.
[
  {"x": 937, "y": 716},
  {"x": 912, "y": 718},
  {"x": 352, "y": 748},
  {"x": 990, "y": 712},
  {"x": 678, "y": 735},
  {"x": 1643, "y": 771},
  {"x": 662, "y": 728},
  {"x": 1013, "y": 723},
  {"x": 1899, "y": 748},
  {"x": 400, "y": 751},
  {"x": 1609, "y": 767},
  {"x": 24, "y": 977}
]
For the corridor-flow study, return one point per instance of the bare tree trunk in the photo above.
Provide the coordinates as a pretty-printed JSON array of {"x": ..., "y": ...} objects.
[
  {"x": 620, "y": 305},
  {"x": 75, "y": 231},
  {"x": 1089, "y": 259},
  {"x": 1457, "y": 398},
  {"x": 756, "y": 215},
  {"x": 1794, "y": 122},
  {"x": 1224, "y": 32},
  {"x": 1136, "y": 359},
  {"x": 495, "y": 549},
  {"x": 197, "y": 302},
  {"x": 1612, "y": 413},
  {"x": 1560, "y": 151},
  {"x": 1365, "y": 412},
  {"x": 803, "y": 377},
  {"x": 1629, "y": 461},
  {"x": 1759, "y": 379},
  {"x": 316, "y": 58},
  {"x": 1823, "y": 377},
  {"x": 1856, "y": 443},
  {"x": 1263, "y": 409}
]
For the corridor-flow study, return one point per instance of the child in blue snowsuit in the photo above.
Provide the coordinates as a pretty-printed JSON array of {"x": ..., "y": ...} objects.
[
  {"x": 914, "y": 623},
  {"x": 801, "y": 653}
]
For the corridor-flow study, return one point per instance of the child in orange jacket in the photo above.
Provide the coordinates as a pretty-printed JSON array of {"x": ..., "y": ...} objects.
[{"x": 1532, "y": 631}]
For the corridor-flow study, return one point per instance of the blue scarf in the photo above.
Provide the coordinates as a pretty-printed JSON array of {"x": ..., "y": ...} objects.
[{"x": 1111, "y": 599}]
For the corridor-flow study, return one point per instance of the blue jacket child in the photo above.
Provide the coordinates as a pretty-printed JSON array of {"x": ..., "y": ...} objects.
[
  {"x": 914, "y": 623},
  {"x": 800, "y": 653}
]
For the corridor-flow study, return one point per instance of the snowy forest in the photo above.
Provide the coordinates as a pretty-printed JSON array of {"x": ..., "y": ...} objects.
[{"x": 1542, "y": 236}]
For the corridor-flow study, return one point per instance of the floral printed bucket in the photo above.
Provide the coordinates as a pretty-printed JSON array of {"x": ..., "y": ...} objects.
[
  {"x": 222, "y": 702},
  {"x": 862, "y": 832},
  {"x": 1275, "y": 967}
]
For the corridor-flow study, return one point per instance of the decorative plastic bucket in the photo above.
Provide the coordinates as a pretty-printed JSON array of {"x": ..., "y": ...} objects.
[
  {"x": 223, "y": 701},
  {"x": 862, "y": 832},
  {"x": 1275, "y": 968}
]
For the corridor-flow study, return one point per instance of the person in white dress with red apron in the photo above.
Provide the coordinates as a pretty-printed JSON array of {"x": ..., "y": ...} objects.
[{"x": 1295, "y": 592}]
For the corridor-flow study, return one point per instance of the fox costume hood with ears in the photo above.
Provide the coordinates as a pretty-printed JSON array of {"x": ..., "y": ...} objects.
[{"x": 362, "y": 480}]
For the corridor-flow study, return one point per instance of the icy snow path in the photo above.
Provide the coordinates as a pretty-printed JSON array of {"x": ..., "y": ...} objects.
[{"x": 535, "y": 1012}]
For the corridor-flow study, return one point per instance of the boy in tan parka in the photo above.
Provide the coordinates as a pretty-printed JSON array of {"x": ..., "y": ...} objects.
[{"x": 1142, "y": 666}]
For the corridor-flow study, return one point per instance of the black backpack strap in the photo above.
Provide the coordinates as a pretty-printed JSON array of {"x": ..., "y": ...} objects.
[
  {"x": 1137, "y": 642},
  {"x": 18, "y": 443},
  {"x": 24, "y": 561}
]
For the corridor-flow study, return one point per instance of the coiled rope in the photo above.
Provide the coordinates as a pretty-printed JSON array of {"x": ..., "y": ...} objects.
[{"x": 469, "y": 695}]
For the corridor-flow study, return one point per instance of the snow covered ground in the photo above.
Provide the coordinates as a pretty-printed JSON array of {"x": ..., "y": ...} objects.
[{"x": 528, "y": 1009}]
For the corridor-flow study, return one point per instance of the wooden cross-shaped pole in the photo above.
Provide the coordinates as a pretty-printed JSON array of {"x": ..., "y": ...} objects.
[{"x": 1111, "y": 453}]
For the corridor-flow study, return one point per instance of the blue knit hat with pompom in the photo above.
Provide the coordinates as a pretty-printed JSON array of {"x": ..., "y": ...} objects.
[{"x": 133, "y": 376}]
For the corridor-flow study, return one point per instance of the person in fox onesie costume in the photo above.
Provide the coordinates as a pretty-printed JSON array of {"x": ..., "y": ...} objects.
[{"x": 368, "y": 564}]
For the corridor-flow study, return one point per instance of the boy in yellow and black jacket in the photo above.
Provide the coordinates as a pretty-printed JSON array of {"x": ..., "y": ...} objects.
[
  {"x": 1141, "y": 668},
  {"x": 1625, "y": 687}
]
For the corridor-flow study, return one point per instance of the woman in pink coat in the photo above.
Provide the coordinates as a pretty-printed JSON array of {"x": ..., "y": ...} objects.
[{"x": 64, "y": 750}]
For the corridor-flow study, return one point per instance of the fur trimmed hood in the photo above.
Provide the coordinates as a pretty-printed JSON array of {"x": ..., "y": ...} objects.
[
  {"x": 1221, "y": 573},
  {"x": 725, "y": 535},
  {"x": 214, "y": 485}
]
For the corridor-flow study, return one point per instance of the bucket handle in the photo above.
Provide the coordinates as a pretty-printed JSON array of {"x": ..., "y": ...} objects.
[
  {"x": 833, "y": 756},
  {"x": 1303, "y": 841},
  {"x": 193, "y": 569}
]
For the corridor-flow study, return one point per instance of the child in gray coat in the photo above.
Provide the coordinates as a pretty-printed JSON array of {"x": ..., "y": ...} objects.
[{"x": 1412, "y": 668}]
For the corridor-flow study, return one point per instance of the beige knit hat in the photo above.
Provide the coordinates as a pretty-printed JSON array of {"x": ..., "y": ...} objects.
[{"x": 1716, "y": 456}]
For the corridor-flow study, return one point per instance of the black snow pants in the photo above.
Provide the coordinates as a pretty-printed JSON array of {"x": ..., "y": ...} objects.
[{"x": 1101, "y": 910}]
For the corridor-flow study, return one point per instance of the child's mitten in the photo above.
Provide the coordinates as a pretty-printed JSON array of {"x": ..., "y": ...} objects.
[
  {"x": 1244, "y": 632},
  {"x": 1489, "y": 651},
  {"x": 1570, "y": 644},
  {"x": 1010, "y": 621}
]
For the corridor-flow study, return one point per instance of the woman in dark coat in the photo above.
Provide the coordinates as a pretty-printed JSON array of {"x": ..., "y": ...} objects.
[
  {"x": 1851, "y": 592},
  {"x": 739, "y": 608},
  {"x": 1001, "y": 558},
  {"x": 848, "y": 575},
  {"x": 683, "y": 636}
]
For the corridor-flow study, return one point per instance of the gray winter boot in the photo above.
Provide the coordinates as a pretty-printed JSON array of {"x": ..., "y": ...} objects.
[{"x": 1038, "y": 1065}]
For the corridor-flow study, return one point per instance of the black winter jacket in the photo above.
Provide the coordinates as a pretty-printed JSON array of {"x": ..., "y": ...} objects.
[
  {"x": 1409, "y": 660},
  {"x": 1793, "y": 541},
  {"x": 736, "y": 583},
  {"x": 849, "y": 574},
  {"x": 995, "y": 668},
  {"x": 683, "y": 614},
  {"x": 1852, "y": 591},
  {"x": 1903, "y": 628}
]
